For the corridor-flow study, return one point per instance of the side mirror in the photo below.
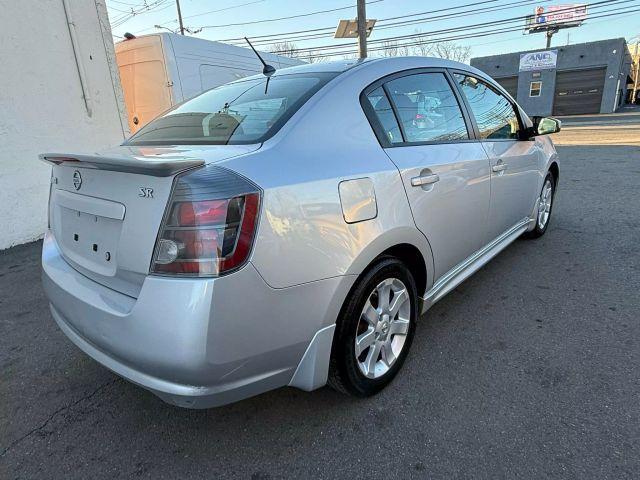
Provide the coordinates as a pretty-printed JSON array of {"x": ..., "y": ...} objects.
[{"x": 546, "y": 125}]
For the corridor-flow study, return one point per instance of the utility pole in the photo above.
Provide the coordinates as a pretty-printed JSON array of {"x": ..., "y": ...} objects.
[
  {"x": 180, "y": 18},
  {"x": 636, "y": 60},
  {"x": 362, "y": 29},
  {"x": 550, "y": 33}
]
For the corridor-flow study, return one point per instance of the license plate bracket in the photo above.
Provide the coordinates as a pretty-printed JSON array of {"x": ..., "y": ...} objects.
[{"x": 89, "y": 240}]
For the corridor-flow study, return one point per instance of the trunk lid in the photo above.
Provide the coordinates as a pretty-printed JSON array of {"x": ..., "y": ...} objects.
[{"x": 105, "y": 209}]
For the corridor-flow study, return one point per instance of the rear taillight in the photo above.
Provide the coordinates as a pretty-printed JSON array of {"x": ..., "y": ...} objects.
[{"x": 209, "y": 226}]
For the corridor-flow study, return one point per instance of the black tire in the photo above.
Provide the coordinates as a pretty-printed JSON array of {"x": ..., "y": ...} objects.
[
  {"x": 344, "y": 374},
  {"x": 539, "y": 230}
]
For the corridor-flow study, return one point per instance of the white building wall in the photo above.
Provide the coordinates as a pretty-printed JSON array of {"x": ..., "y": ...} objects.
[{"x": 42, "y": 102}]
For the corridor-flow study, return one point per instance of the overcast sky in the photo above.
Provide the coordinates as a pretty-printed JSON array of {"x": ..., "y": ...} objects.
[{"x": 163, "y": 12}]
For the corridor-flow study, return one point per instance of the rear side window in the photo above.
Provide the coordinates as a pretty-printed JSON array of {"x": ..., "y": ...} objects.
[
  {"x": 494, "y": 114},
  {"x": 384, "y": 113},
  {"x": 427, "y": 108},
  {"x": 242, "y": 112}
]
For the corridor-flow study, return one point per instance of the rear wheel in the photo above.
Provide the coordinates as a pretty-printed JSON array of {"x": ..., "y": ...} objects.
[
  {"x": 545, "y": 204},
  {"x": 374, "y": 330}
]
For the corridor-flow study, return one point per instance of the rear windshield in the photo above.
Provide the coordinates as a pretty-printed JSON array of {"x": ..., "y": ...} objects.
[{"x": 248, "y": 111}]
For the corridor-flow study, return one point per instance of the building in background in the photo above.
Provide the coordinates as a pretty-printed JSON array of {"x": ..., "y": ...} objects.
[
  {"x": 575, "y": 79},
  {"x": 60, "y": 92},
  {"x": 633, "y": 87}
]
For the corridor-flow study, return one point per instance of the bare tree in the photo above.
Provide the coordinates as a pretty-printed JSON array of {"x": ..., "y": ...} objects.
[
  {"x": 390, "y": 49},
  {"x": 313, "y": 56},
  {"x": 393, "y": 49},
  {"x": 452, "y": 51},
  {"x": 289, "y": 49},
  {"x": 286, "y": 48},
  {"x": 423, "y": 47}
]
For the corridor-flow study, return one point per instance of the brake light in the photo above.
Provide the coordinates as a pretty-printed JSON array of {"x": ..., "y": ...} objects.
[
  {"x": 202, "y": 233},
  {"x": 208, "y": 212}
]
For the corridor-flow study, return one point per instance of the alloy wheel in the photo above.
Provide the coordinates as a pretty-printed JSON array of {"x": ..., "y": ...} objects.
[
  {"x": 544, "y": 204},
  {"x": 383, "y": 327}
]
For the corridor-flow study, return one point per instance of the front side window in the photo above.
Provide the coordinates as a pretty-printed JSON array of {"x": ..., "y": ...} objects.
[
  {"x": 427, "y": 108},
  {"x": 247, "y": 111},
  {"x": 534, "y": 89},
  {"x": 494, "y": 114}
]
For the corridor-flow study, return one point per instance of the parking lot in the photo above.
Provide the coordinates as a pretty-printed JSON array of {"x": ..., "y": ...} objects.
[{"x": 530, "y": 369}]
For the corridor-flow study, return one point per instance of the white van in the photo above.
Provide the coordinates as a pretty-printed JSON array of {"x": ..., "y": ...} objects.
[{"x": 160, "y": 70}]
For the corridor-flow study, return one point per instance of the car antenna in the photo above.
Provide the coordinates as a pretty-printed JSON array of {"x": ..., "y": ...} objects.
[{"x": 267, "y": 70}]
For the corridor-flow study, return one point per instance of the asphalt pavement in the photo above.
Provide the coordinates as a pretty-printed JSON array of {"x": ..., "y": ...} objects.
[{"x": 530, "y": 369}]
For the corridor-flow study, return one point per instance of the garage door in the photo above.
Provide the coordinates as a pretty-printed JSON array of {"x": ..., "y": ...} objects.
[
  {"x": 510, "y": 84},
  {"x": 578, "y": 91}
]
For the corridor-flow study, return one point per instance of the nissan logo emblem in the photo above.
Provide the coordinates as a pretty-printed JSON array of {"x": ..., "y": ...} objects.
[{"x": 77, "y": 180}]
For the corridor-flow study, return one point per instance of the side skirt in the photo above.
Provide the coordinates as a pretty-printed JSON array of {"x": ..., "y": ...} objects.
[{"x": 472, "y": 264}]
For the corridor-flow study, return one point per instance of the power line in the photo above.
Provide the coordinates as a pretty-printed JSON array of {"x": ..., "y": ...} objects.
[
  {"x": 129, "y": 4},
  {"x": 135, "y": 9},
  {"x": 630, "y": 9},
  {"x": 277, "y": 34},
  {"x": 261, "y": 39},
  {"x": 332, "y": 28},
  {"x": 457, "y": 14},
  {"x": 252, "y": 22},
  {"x": 119, "y": 10},
  {"x": 415, "y": 21},
  {"x": 268, "y": 20},
  {"x": 231, "y": 7},
  {"x": 459, "y": 37},
  {"x": 144, "y": 8},
  {"x": 600, "y": 4},
  {"x": 502, "y": 21}
]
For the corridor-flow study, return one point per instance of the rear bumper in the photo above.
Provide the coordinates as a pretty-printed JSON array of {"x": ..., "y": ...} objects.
[
  {"x": 182, "y": 395},
  {"x": 195, "y": 343}
]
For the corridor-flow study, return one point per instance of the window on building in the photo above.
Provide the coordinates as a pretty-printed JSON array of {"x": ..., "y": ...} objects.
[{"x": 534, "y": 89}]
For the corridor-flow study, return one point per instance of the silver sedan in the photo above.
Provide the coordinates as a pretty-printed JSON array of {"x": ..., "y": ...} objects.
[{"x": 290, "y": 229}]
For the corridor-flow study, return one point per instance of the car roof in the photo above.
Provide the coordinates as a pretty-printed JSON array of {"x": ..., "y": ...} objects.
[
  {"x": 319, "y": 67},
  {"x": 385, "y": 65},
  {"x": 401, "y": 63}
]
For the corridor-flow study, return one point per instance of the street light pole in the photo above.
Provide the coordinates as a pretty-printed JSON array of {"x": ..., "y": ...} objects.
[
  {"x": 362, "y": 29},
  {"x": 180, "y": 17}
]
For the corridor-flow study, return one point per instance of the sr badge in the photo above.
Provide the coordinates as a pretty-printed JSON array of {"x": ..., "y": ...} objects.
[{"x": 146, "y": 192}]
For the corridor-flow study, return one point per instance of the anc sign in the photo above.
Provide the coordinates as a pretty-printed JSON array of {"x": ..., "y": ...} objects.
[{"x": 538, "y": 60}]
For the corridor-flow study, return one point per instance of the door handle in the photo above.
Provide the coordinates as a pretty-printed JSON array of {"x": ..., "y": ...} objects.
[
  {"x": 424, "y": 180},
  {"x": 499, "y": 167}
]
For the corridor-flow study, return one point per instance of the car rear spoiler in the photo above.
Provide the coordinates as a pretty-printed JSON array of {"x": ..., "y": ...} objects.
[{"x": 157, "y": 167}]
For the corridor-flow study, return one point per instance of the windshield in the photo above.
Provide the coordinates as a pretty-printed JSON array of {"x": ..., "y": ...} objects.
[{"x": 242, "y": 112}]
